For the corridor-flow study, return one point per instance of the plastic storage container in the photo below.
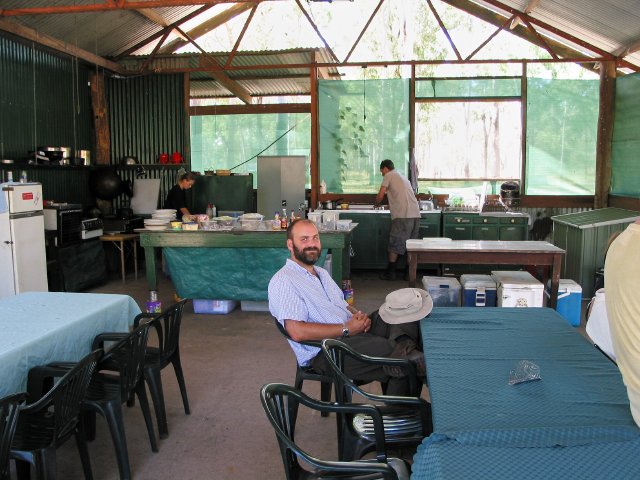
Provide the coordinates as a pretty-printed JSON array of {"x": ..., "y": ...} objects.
[
  {"x": 254, "y": 306},
  {"x": 444, "y": 291},
  {"x": 478, "y": 290},
  {"x": 569, "y": 300},
  {"x": 518, "y": 289},
  {"x": 215, "y": 307}
]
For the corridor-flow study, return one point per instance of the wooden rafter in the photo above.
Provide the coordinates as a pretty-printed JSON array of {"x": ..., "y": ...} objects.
[
  {"x": 528, "y": 9},
  {"x": 158, "y": 35},
  {"x": 364, "y": 29},
  {"x": 541, "y": 40},
  {"x": 491, "y": 37},
  {"x": 218, "y": 75},
  {"x": 234, "y": 50},
  {"x": 110, "y": 5},
  {"x": 315, "y": 28},
  {"x": 58, "y": 45},
  {"x": 628, "y": 49},
  {"x": 209, "y": 25},
  {"x": 153, "y": 16},
  {"x": 465, "y": 5},
  {"x": 444, "y": 29}
]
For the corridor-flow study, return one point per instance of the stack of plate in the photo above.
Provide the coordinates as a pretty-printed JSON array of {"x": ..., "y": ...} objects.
[
  {"x": 156, "y": 223},
  {"x": 167, "y": 214}
]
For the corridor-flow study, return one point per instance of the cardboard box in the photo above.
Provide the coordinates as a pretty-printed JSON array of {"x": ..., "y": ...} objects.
[
  {"x": 445, "y": 291},
  {"x": 478, "y": 290}
]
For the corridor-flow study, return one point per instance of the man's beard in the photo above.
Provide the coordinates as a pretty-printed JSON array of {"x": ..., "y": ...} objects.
[{"x": 308, "y": 256}]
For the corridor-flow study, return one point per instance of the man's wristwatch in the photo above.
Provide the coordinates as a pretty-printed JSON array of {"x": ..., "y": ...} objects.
[{"x": 345, "y": 331}]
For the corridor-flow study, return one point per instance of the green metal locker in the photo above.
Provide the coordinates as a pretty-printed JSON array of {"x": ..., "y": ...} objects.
[{"x": 584, "y": 237}]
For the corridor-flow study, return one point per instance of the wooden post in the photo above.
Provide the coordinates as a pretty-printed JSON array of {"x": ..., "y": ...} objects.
[
  {"x": 605, "y": 133},
  {"x": 314, "y": 160},
  {"x": 100, "y": 119}
]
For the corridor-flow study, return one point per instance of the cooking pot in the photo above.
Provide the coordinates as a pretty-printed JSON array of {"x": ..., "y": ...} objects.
[{"x": 129, "y": 160}]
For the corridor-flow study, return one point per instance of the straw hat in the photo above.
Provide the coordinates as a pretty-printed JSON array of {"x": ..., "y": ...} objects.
[{"x": 406, "y": 305}]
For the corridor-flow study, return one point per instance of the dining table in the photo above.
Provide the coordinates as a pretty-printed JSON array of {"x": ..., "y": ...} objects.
[
  {"x": 37, "y": 328},
  {"x": 489, "y": 252},
  {"x": 570, "y": 418}
]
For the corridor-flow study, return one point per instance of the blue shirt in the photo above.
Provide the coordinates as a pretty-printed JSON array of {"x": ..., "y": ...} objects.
[{"x": 296, "y": 294}]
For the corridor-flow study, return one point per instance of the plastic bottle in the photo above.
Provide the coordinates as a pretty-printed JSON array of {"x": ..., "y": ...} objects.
[
  {"x": 347, "y": 291},
  {"x": 9, "y": 176},
  {"x": 209, "y": 211},
  {"x": 323, "y": 187},
  {"x": 283, "y": 219},
  {"x": 23, "y": 176},
  {"x": 276, "y": 221},
  {"x": 154, "y": 305},
  {"x": 214, "y": 211}
]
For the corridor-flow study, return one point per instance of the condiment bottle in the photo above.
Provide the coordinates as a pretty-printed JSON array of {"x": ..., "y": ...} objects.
[
  {"x": 209, "y": 211},
  {"x": 283, "y": 219},
  {"x": 214, "y": 211}
]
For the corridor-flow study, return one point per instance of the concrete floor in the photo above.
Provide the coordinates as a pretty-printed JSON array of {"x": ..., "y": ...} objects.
[{"x": 226, "y": 359}]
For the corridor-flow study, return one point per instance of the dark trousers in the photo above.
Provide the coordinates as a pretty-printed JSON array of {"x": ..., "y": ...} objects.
[{"x": 379, "y": 341}]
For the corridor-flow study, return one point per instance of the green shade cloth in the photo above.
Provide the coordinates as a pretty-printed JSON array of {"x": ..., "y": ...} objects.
[
  {"x": 361, "y": 124},
  {"x": 468, "y": 88},
  {"x": 225, "y": 273},
  {"x": 625, "y": 174},
  {"x": 562, "y": 120},
  {"x": 226, "y": 141}
]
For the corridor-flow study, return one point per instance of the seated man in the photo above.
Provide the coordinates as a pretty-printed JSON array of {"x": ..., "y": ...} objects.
[{"x": 310, "y": 305}]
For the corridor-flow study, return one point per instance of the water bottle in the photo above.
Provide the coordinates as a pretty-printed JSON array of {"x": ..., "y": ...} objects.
[
  {"x": 9, "y": 176},
  {"x": 209, "y": 211},
  {"x": 23, "y": 176},
  {"x": 214, "y": 211}
]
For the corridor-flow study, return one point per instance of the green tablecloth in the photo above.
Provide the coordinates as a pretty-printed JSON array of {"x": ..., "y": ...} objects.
[{"x": 225, "y": 273}]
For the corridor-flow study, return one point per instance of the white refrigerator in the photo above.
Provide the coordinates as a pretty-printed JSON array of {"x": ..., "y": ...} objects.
[{"x": 23, "y": 264}]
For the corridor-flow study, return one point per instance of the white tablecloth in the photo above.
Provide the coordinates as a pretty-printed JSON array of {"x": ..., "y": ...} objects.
[{"x": 41, "y": 327}]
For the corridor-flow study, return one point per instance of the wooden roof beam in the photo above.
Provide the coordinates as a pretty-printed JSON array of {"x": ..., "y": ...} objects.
[
  {"x": 161, "y": 33},
  {"x": 528, "y": 9},
  {"x": 218, "y": 74},
  {"x": 444, "y": 29},
  {"x": 109, "y": 5},
  {"x": 364, "y": 29},
  {"x": 59, "y": 46},
  {"x": 234, "y": 50},
  {"x": 208, "y": 26},
  {"x": 315, "y": 28}
]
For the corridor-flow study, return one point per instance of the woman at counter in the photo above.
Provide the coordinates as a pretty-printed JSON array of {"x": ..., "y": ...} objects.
[{"x": 176, "y": 198}]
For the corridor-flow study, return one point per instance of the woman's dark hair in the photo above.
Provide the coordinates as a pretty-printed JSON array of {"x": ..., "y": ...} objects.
[{"x": 187, "y": 176}]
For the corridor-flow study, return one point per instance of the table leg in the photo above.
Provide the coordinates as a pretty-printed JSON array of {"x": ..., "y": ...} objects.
[
  {"x": 135, "y": 257},
  {"x": 412, "y": 258},
  {"x": 555, "y": 281},
  {"x": 150, "y": 265},
  {"x": 122, "y": 260},
  {"x": 336, "y": 265}
]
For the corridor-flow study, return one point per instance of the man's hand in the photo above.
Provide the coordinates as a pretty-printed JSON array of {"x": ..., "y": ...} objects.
[{"x": 358, "y": 323}]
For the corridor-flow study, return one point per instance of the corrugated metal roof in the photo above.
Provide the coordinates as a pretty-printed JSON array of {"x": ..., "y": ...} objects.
[{"x": 611, "y": 25}]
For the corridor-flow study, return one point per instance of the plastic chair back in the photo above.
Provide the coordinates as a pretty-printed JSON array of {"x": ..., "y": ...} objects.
[
  {"x": 9, "y": 407},
  {"x": 278, "y": 401},
  {"x": 168, "y": 330}
]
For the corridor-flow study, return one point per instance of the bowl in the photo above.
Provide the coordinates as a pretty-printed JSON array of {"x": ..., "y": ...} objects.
[
  {"x": 250, "y": 224},
  {"x": 190, "y": 226},
  {"x": 224, "y": 221}
]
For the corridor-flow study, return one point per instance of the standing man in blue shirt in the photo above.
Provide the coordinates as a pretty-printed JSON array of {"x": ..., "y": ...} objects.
[{"x": 405, "y": 214}]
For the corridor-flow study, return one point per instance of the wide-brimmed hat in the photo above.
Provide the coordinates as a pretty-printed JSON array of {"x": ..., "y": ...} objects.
[{"x": 406, "y": 305}]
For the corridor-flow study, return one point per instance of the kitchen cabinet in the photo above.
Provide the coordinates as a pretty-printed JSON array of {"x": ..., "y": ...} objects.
[
  {"x": 473, "y": 226},
  {"x": 371, "y": 238}
]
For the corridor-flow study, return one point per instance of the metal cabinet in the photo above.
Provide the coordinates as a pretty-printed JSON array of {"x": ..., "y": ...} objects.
[{"x": 370, "y": 239}]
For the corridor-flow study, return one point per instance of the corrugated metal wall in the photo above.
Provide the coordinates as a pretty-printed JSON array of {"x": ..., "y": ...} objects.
[
  {"x": 44, "y": 101},
  {"x": 147, "y": 117}
]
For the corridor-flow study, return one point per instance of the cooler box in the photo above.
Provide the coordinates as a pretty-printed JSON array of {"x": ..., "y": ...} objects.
[
  {"x": 518, "y": 289},
  {"x": 569, "y": 300},
  {"x": 215, "y": 307},
  {"x": 478, "y": 290},
  {"x": 445, "y": 291}
]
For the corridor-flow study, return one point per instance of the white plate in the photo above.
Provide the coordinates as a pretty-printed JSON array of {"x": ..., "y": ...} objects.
[
  {"x": 155, "y": 221},
  {"x": 156, "y": 227},
  {"x": 165, "y": 210}
]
